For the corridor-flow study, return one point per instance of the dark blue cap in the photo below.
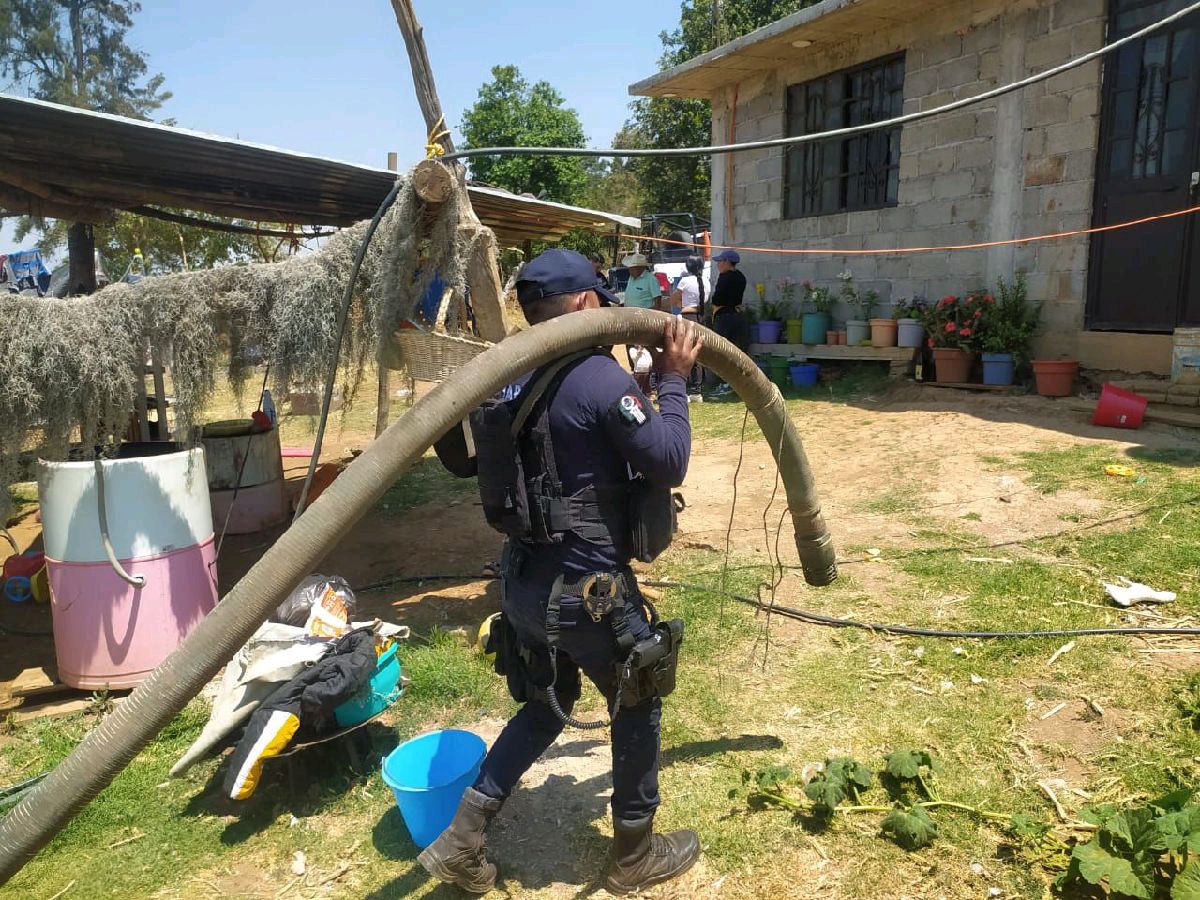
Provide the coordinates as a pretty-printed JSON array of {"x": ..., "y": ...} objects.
[
  {"x": 729, "y": 256},
  {"x": 558, "y": 271}
]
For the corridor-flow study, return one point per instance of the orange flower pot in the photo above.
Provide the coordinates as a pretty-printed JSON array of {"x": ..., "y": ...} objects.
[
  {"x": 1055, "y": 377},
  {"x": 951, "y": 365},
  {"x": 883, "y": 332}
]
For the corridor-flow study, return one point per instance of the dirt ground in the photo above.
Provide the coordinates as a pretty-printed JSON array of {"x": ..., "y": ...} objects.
[{"x": 907, "y": 439}]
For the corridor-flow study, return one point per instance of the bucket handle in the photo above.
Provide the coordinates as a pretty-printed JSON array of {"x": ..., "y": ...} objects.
[{"x": 136, "y": 581}]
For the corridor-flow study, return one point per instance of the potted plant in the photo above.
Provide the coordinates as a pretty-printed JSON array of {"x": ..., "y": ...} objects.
[
  {"x": 1007, "y": 328},
  {"x": 770, "y": 323},
  {"x": 953, "y": 336},
  {"x": 792, "y": 324},
  {"x": 883, "y": 330},
  {"x": 818, "y": 319},
  {"x": 751, "y": 314},
  {"x": 910, "y": 332},
  {"x": 858, "y": 330}
]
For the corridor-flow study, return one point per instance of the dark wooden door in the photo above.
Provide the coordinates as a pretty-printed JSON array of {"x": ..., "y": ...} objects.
[{"x": 1145, "y": 278}]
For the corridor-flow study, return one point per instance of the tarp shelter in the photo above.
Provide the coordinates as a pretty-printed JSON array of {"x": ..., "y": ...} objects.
[{"x": 63, "y": 162}]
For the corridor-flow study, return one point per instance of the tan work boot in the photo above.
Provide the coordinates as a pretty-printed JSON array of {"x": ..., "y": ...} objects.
[
  {"x": 642, "y": 858},
  {"x": 457, "y": 857}
]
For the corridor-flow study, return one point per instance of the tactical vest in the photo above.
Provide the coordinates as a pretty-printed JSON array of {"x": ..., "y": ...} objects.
[{"x": 520, "y": 487}]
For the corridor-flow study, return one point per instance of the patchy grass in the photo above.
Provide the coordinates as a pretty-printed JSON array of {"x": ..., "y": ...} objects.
[
  {"x": 427, "y": 480},
  {"x": 24, "y": 498}
]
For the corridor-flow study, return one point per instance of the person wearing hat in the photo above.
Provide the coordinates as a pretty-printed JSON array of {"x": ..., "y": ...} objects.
[
  {"x": 601, "y": 269},
  {"x": 643, "y": 290},
  {"x": 595, "y": 427},
  {"x": 728, "y": 319}
]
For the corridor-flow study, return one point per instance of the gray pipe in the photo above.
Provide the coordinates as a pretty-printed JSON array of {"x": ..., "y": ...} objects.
[
  {"x": 136, "y": 581},
  {"x": 109, "y": 747}
]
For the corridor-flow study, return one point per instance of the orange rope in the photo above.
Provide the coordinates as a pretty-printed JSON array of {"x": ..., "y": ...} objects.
[{"x": 889, "y": 250}]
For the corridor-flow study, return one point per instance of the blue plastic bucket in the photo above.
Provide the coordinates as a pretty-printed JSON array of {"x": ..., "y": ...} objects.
[
  {"x": 382, "y": 691},
  {"x": 997, "y": 368},
  {"x": 428, "y": 776},
  {"x": 804, "y": 374}
]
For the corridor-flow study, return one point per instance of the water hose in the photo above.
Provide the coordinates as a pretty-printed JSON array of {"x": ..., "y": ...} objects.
[
  {"x": 136, "y": 581},
  {"x": 108, "y": 748}
]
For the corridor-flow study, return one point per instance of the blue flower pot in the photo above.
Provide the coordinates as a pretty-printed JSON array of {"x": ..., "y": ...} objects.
[
  {"x": 804, "y": 374},
  {"x": 997, "y": 368},
  {"x": 768, "y": 331},
  {"x": 815, "y": 326},
  {"x": 754, "y": 335}
]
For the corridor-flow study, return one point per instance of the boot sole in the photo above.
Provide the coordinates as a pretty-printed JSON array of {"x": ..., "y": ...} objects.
[
  {"x": 615, "y": 888},
  {"x": 438, "y": 870}
]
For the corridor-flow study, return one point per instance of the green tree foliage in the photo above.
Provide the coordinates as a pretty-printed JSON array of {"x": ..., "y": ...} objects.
[
  {"x": 74, "y": 52},
  {"x": 511, "y": 112},
  {"x": 682, "y": 185}
]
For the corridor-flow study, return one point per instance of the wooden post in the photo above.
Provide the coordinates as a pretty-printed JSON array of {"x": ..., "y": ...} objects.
[
  {"x": 483, "y": 272},
  {"x": 160, "y": 394},
  {"x": 81, "y": 257},
  {"x": 140, "y": 397}
]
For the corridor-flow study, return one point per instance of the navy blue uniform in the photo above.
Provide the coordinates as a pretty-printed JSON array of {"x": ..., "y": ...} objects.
[{"x": 598, "y": 436}]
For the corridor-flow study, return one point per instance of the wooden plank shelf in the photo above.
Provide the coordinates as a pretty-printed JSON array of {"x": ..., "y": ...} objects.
[{"x": 899, "y": 359}]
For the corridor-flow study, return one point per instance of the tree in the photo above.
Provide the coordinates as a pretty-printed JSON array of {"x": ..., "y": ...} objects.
[
  {"x": 682, "y": 184},
  {"x": 74, "y": 52},
  {"x": 510, "y": 112}
]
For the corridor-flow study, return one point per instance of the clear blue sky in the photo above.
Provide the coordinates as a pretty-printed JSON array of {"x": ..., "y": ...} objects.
[{"x": 333, "y": 79}]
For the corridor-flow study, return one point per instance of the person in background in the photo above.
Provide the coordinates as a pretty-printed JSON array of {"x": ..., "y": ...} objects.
[
  {"x": 728, "y": 319},
  {"x": 689, "y": 296},
  {"x": 601, "y": 270},
  {"x": 642, "y": 291}
]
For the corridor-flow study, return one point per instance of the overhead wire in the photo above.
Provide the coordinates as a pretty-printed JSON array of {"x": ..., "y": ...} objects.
[{"x": 849, "y": 131}]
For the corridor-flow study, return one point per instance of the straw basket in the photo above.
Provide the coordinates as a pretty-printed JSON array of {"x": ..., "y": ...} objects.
[{"x": 434, "y": 355}]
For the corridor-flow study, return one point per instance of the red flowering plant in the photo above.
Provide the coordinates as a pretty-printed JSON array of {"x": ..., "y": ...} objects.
[{"x": 956, "y": 322}]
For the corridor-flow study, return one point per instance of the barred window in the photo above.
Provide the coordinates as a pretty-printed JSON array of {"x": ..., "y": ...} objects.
[{"x": 857, "y": 172}]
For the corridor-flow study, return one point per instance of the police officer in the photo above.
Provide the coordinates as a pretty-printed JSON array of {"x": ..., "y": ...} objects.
[{"x": 601, "y": 427}]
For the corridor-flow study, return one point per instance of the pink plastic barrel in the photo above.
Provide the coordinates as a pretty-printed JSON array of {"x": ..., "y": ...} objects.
[
  {"x": 108, "y": 633},
  {"x": 1119, "y": 408}
]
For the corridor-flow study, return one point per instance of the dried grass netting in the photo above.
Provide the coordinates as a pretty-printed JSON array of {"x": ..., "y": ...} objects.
[{"x": 71, "y": 366}]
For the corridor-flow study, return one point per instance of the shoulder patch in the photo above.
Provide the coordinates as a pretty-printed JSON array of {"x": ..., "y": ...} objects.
[{"x": 632, "y": 410}]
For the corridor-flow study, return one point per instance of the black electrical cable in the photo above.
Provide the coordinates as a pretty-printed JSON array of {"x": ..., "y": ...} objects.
[
  {"x": 327, "y": 400},
  {"x": 237, "y": 485},
  {"x": 803, "y": 615}
]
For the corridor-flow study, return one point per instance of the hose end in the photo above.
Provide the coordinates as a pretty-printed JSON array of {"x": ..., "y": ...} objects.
[{"x": 818, "y": 560}]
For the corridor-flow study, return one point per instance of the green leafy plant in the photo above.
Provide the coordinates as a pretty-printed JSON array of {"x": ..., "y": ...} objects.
[
  {"x": 840, "y": 778},
  {"x": 1146, "y": 852},
  {"x": 862, "y": 303},
  {"x": 820, "y": 299},
  {"x": 1009, "y": 320},
  {"x": 954, "y": 322},
  {"x": 838, "y": 788},
  {"x": 911, "y": 308},
  {"x": 911, "y": 828},
  {"x": 773, "y": 312},
  {"x": 787, "y": 291}
]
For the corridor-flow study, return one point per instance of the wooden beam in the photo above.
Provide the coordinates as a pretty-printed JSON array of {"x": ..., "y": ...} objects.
[
  {"x": 422, "y": 72},
  {"x": 18, "y": 202}
]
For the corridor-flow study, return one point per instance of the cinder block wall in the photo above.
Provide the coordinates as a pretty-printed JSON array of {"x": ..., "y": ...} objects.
[{"x": 1014, "y": 166}]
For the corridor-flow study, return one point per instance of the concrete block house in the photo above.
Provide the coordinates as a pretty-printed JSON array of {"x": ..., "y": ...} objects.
[{"x": 1114, "y": 140}]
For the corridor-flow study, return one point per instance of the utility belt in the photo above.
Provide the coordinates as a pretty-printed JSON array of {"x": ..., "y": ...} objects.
[{"x": 644, "y": 669}]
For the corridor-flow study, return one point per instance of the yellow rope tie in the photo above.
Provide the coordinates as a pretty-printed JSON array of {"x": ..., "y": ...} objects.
[{"x": 433, "y": 147}]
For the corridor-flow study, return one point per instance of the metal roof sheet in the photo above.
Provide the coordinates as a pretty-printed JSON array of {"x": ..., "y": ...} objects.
[{"x": 54, "y": 159}]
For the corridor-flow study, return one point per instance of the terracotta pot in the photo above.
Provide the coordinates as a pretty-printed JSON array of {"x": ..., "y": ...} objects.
[
  {"x": 883, "y": 332},
  {"x": 1055, "y": 377},
  {"x": 951, "y": 365},
  {"x": 841, "y": 337},
  {"x": 831, "y": 337}
]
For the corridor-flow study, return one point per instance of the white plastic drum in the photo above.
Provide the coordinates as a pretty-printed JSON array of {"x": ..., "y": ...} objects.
[{"x": 108, "y": 633}]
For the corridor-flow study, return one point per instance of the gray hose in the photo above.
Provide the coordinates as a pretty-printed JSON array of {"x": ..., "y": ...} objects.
[
  {"x": 109, "y": 747},
  {"x": 136, "y": 581}
]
